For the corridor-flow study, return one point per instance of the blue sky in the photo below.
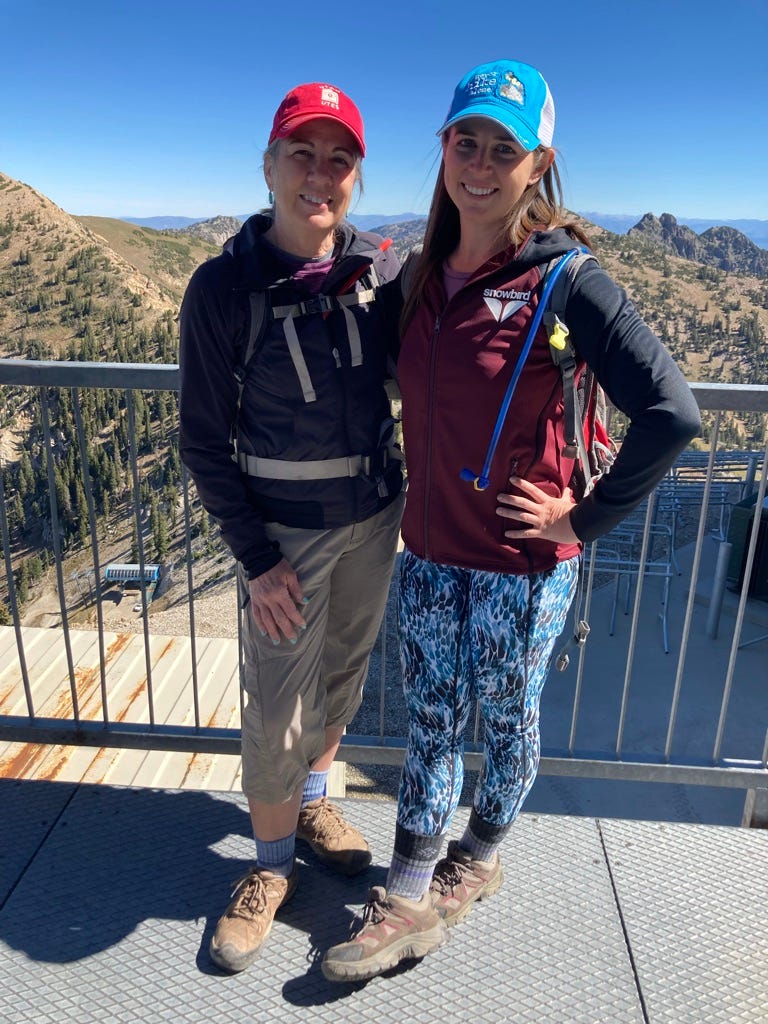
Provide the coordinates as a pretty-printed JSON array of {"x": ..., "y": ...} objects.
[{"x": 143, "y": 108}]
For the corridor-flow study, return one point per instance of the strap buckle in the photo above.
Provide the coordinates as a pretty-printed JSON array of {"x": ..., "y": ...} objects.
[
  {"x": 317, "y": 304},
  {"x": 375, "y": 463}
]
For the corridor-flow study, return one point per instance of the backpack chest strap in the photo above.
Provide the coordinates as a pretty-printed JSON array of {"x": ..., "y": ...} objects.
[{"x": 323, "y": 304}]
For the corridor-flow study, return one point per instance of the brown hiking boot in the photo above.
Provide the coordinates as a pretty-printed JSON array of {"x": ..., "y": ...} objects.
[
  {"x": 458, "y": 881},
  {"x": 392, "y": 929},
  {"x": 247, "y": 921},
  {"x": 322, "y": 825}
]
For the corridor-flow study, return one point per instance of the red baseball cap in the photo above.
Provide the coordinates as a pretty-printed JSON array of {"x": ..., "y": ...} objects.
[{"x": 317, "y": 99}]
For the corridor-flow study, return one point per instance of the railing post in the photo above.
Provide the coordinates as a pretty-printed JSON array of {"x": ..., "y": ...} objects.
[
  {"x": 718, "y": 588},
  {"x": 749, "y": 479},
  {"x": 755, "y": 813},
  {"x": 337, "y": 780}
]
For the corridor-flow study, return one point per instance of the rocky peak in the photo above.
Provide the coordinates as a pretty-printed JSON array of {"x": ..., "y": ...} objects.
[
  {"x": 666, "y": 232},
  {"x": 721, "y": 247},
  {"x": 216, "y": 230},
  {"x": 732, "y": 250}
]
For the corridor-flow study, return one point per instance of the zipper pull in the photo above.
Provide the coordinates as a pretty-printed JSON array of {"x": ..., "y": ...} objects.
[{"x": 337, "y": 358}]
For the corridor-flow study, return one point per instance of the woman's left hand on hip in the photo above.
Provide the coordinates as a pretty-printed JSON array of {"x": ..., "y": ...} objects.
[{"x": 540, "y": 515}]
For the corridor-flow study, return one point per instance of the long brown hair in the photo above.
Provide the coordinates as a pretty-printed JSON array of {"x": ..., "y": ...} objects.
[{"x": 539, "y": 207}]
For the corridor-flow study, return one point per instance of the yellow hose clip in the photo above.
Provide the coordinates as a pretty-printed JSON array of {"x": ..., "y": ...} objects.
[{"x": 559, "y": 336}]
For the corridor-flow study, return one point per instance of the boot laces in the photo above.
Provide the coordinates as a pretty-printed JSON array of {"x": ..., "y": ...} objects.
[
  {"x": 251, "y": 895},
  {"x": 374, "y": 911},
  {"x": 327, "y": 819},
  {"x": 448, "y": 874}
]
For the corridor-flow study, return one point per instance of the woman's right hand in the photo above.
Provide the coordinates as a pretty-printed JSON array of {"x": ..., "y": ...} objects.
[{"x": 274, "y": 597}]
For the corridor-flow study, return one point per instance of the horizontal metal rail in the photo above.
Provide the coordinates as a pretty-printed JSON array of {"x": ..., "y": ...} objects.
[
  {"x": 165, "y": 377},
  {"x": 391, "y": 751}
]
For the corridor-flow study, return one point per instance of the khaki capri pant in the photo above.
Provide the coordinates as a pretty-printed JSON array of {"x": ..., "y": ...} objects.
[{"x": 296, "y": 691}]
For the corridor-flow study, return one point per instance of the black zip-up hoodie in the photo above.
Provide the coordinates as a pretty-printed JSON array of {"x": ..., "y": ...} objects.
[{"x": 348, "y": 417}]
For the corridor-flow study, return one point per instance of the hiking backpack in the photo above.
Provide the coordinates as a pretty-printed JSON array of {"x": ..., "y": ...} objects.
[
  {"x": 585, "y": 409},
  {"x": 263, "y": 310}
]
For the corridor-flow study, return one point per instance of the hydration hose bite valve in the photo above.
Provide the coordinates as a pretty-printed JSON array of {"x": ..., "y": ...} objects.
[{"x": 480, "y": 483}]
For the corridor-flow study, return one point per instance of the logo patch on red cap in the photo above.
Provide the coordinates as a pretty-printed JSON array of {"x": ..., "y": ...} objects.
[{"x": 329, "y": 97}]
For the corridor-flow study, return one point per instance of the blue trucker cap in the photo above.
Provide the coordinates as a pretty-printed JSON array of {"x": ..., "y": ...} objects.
[{"x": 510, "y": 93}]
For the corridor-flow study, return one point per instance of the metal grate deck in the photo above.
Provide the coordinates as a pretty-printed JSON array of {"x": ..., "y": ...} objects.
[{"x": 109, "y": 896}]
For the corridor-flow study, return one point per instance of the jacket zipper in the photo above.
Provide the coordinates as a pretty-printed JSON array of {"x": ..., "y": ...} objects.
[{"x": 430, "y": 407}]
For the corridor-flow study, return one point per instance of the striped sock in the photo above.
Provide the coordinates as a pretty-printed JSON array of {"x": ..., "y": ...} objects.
[
  {"x": 314, "y": 787},
  {"x": 413, "y": 862},
  {"x": 276, "y": 856},
  {"x": 481, "y": 840}
]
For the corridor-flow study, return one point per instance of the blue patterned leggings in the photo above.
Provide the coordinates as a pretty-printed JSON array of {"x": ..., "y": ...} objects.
[{"x": 468, "y": 634}]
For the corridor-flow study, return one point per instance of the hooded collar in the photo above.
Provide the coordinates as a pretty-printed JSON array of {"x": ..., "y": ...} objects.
[
  {"x": 259, "y": 266},
  {"x": 538, "y": 248}
]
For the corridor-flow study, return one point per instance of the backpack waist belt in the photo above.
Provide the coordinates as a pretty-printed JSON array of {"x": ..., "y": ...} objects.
[{"x": 319, "y": 469}]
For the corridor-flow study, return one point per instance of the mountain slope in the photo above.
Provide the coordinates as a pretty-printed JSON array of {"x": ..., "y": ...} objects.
[
  {"x": 63, "y": 284},
  {"x": 168, "y": 258}
]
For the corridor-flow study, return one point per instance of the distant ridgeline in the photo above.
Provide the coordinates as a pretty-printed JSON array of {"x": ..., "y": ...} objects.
[{"x": 92, "y": 288}]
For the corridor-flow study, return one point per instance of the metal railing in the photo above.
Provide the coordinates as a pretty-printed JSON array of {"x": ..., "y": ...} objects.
[{"x": 612, "y": 757}]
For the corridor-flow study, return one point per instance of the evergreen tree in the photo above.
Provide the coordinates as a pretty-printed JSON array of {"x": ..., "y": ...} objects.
[
  {"x": 81, "y": 507},
  {"x": 205, "y": 527},
  {"x": 22, "y": 583},
  {"x": 160, "y": 538}
]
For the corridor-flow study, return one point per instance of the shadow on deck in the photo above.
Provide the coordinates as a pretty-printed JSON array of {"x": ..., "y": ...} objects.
[{"x": 109, "y": 896}]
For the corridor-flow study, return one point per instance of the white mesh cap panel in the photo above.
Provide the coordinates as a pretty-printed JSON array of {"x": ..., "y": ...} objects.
[{"x": 547, "y": 123}]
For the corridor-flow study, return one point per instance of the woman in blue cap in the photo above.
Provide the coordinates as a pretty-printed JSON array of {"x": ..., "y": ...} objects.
[{"x": 487, "y": 576}]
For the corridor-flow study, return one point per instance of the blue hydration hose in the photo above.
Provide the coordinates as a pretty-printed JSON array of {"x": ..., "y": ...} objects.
[{"x": 482, "y": 480}]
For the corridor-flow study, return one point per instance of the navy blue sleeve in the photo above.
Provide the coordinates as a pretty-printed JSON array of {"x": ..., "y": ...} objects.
[
  {"x": 642, "y": 380},
  {"x": 207, "y": 407}
]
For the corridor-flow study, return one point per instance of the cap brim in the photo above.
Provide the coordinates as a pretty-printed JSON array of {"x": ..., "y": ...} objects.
[
  {"x": 521, "y": 133},
  {"x": 296, "y": 122}
]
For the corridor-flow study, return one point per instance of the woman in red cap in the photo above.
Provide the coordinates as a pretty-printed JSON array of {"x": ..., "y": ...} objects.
[
  {"x": 487, "y": 576},
  {"x": 286, "y": 430}
]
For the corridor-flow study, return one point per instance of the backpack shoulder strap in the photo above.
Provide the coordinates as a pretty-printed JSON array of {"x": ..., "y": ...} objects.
[
  {"x": 262, "y": 309},
  {"x": 408, "y": 269},
  {"x": 561, "y": 289},
  {"x": 564, "y": 356},
  {"x": 259, "y": 314}
]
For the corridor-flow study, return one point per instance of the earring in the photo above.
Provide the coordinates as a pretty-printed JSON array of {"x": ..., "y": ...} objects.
[{"x": 270, "y": 198}]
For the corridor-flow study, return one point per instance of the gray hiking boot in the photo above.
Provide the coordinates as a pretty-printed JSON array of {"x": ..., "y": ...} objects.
[
  {"x": 458, "y": 881},
  {"x": 391, "y": 929},
  {"x": 247, "y": 921},
  {"x": 334, "y": 840}
]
